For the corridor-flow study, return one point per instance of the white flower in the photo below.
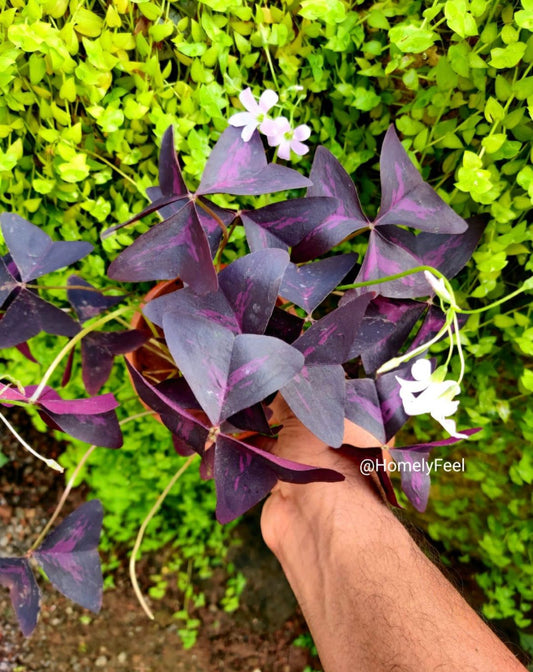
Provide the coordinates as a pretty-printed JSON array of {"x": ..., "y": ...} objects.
[
  {"x": 437, "y": 284},
  {"x": 281, "y": 135},
  {"x": 256, "y": 112},
  {"x": 432, "y": 396}
]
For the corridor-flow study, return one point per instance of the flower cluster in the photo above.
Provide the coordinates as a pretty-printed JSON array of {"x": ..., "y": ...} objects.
[{"x": 278, "y": 130}]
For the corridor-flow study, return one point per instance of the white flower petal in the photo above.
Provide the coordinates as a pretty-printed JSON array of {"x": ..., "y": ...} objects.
[
  {"x": 284, "y": 151},
  {"x": 268, "y": 126},
  {"x": 247, "y": 99},
  {"x": 242, "y": 119},
  {"x": 301, "y": 132},
  {"x": 412, "y": 385},
  {"x": 421, "y": 369},
  {"x": 267, "y": 100},
  {"x": 248, "y": 131},
  {"x": 299, "y": 148},
  {"x": 451, "y": 427}
]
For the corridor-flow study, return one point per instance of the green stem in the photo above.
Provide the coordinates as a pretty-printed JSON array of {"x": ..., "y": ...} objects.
[
  {"x": 524, "y": 288},
  {"x": 71, "y": 344},
  {"x": 142, "y": 530}
]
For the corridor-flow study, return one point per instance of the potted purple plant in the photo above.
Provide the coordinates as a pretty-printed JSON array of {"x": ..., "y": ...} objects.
[{"x": 347, "y": 341}]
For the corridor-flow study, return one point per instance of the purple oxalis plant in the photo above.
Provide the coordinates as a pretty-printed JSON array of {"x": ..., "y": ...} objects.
[{"x": 275, "y": 321}]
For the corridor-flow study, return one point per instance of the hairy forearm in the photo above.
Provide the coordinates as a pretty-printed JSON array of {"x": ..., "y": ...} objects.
[{"x": 372, "y": 600}]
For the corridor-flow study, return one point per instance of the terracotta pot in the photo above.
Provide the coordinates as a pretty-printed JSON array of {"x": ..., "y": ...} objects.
[{"x": 155, "y": 367}]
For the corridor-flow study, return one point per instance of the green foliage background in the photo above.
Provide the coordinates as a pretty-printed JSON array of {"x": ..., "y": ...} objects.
[{"x": 87, "y": 89}]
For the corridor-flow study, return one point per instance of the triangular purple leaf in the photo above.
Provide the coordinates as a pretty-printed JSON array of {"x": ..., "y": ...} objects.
[
  {"x": 285, "y": 224},
  {"x": 69, "y": 556},
  {"x": 330, "y": 179},
  {"x": 7, "y": 283},
  {"x": 308, "y": 285},
  {"x": 174, "y": 415},
  {"x": 240, "y": 168},
  {"x": 176, "y": 247},
  {"x": 226, "y": 372},
  {"x": 363, "y": 407},
  {"x": 28, "y": 315},
  {"x": 284, "y": 325},
  {"x": 16, "y": 575},
  {"x": 406, "y": 199},
  {"x": 88, "y": 302},
  {"x": 245, "y": 474},
  {"x": 384, "y": 329},
  {"x": 98, "y": 350},
  {"x": 316, "y": 396},
  {"x": 251, "y": 285},
  {"x": 171, "y": 180},
  {"x": 329, "y": 340},
  {"x": 34, "y": 252}
]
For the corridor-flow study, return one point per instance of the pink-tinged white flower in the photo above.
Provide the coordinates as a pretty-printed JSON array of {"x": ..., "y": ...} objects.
[
  {"x": 425, "y": 394},
  {"x": 287, "y": 139},
  {"x": 256, "y": 112}
]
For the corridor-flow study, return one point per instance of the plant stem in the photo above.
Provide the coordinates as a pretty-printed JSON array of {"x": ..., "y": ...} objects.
[
  {"x": 48, "y": 461},
  {"x": 68, "y": 347},
  {"x": 142, "y": 530},
  {"x": 223, "y": 228},
  {"x": 71, "y": 482}
]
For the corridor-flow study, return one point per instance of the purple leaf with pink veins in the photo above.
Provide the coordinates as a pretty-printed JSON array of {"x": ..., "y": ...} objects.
[
  {"x": 69, "y": 556},
  {"x": 27, "y": 315},
  {"x": 251, "y": 285},
  {"x": 173, "y": 404},
  {"x": 34, "y": 252},
  {"x": 283, "y": 225},
  {"x": 384, "y": 258},
  {"x": 245, "y": 474},
  {"x": 16, "y": 575},
  {"x": 325, "y": 346},
  {"x": 330, "y": 179},
  {"x": 240, "y": 168},
  {"x": 177, "y": 246},
  {"x": 363, "y": 407},
  {"x": 92, "y": 420},
  {"x": 308, "y": 285},
  {"x": 406, "y": 199},
  {"x": 316, "y": 396},
  {"x": 384, "y": 329},
  {"x": 228, "y": 372},
  {"x": 414, "y": 467}
]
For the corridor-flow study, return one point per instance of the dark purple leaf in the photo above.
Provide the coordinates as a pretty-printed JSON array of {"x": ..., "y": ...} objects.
[
  {"x": 384, "y": 329},
  {"x": 284, "y": 325},
  {"x": 227, "y": 372},
  {"x": 388, "y": 388},
  {"x": 28, "y": 315},
  {"x": 88, "y": 302},
  {"x": 414, "y": 467},
  {"x": 240, "y": 168},
  {"x": 171, "y": 181},
  {"x": 308, "y": 285},
  {"x": 329, "y": 340},
  {"x": 252, "y": 419},
  {"x": 24, "y": 349},
  {"x": 406, "y": 199},
  {"x": 251, "y": 285},
  {"x": 98, "y": 350},
  {"x": 285, "y": 224},
  {"x": 172, "y": 405},
  {"x": 177, "y": 246},
  {"x": 317, "y": 398},
  {"x": 245, "y": 474},
  {"x": 7, "y": 283},
  {"x": 330, "y": 179},
  {"x": 34, "y": 252},
  {"x": 211, "y": 226},
  {"x": 384, "y": 258},
  {"x": 363, "y": 407},
  {"x": 16, "y": 575},
  {"x": 213, "y": 306},
  {"x": 69, "y": 556}
]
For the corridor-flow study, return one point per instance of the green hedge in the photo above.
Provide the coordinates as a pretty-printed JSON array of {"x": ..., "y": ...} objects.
[{"x": 88, "y": 88}]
